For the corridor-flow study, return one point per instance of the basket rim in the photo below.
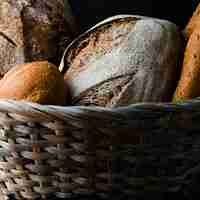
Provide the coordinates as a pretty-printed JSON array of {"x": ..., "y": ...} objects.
[{"x": 29, "y": 109}]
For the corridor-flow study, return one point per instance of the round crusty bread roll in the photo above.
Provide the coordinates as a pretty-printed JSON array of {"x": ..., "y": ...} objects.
[
  {"x": 123, "y": 60},
  {"x": 38, "y": 82}
]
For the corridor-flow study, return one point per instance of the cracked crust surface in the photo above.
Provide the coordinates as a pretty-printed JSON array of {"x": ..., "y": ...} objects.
[
  {"x": 122, "y": 61},
  {"x": 36, "y": 27}
]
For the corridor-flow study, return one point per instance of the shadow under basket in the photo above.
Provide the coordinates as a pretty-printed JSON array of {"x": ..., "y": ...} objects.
[{"x": 135, "y": 151}]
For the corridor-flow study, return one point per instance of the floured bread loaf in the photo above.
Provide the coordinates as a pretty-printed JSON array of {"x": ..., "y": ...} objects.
[{"x": 123, "y": 60}]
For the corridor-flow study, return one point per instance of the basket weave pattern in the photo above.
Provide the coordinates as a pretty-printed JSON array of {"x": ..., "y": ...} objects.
[
  {"x": 82, "y": 150},
  {"x": 46, "y": 150},
  {"x": 167, "y": 162}
]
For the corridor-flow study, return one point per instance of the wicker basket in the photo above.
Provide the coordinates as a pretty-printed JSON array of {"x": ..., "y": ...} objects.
[{"x": 138, "y": 149}]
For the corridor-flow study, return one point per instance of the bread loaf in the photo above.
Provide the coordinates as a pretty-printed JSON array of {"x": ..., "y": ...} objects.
[
  {"x": 123, "y": 60},
  {"x": 193, "y": 22},
  {"x": 38, "y": 82},
  {"x": 188, "y": 85},
  {"x": 32, "y": 31}
]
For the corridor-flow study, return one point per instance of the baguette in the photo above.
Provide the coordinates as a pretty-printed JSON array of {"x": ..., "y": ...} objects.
[
  {"x": 193, "y": 23},
  {"x": 188, "y": 85}
]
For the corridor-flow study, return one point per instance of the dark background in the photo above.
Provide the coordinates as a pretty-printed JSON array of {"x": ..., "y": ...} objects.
[{"x": 89, "y": 12}]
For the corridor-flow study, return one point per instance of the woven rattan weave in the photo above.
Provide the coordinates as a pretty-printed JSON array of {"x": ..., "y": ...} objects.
[{"x": 78, "y": 150}]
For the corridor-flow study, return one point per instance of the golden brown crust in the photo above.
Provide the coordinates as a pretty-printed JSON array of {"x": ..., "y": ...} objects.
[
  {"x": 39, "y": 82},
  {"x": 188, "y": 86},
  {"x": 193, "y": 22}
]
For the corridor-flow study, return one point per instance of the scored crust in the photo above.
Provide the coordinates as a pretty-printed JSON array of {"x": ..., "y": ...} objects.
[{"x": 121, "y": 61}]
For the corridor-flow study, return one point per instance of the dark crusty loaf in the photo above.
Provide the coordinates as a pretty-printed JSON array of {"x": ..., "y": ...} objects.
[{"x": 32, "y": 30}]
